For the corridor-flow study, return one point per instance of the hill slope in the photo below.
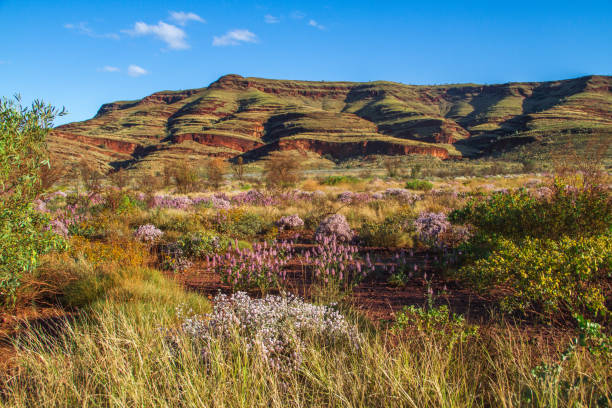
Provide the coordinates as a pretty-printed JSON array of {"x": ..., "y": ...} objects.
[{"x": 252, "y": 116}]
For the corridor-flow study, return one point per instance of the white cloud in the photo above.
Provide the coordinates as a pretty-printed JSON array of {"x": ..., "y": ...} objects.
[
  {"x": 108, "y": 68},
  {"x": 136, "y": 71},
  {"x": 83, "y": 28},
  {"x": 234, "y": 37},
  {"x": 173, "y": 36},
  {"x": 270, "y": 19},
  {"x": 313, "y": 23},
  {"x": 298, "y": 15},
  {"x": 181, "y": 18}
]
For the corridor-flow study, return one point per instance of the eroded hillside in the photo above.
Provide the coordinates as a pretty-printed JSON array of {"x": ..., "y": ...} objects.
[{"x": 252, "y": 116}]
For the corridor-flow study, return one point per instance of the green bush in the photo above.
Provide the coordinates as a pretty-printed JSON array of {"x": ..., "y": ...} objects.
[
  {"x": 201, "y": 244},
  {"x": 241, "y": 224},
  {"x": 23, "y": 234},
  {"x": 334, "y": 180},
  {"x": 567, "y": 212},
  {"x": 392, "y": 232},
  {"x": 547, "y": 275},
  {"x": 121, "y": 202},
  {"x": 437, "y": 322},
  {"x": 423, "y": 185}
]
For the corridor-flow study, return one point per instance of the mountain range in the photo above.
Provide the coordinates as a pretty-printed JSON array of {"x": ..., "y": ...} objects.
[{"x": 250, "y": 117}]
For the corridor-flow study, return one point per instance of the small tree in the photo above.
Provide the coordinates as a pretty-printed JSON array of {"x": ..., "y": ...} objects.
[
  {"x": 185, "y": 176},
  {"x": 119, "y": 178},
  {"x": 282, "y": 170},
  {"x": 392, "y": 165},
  {"x": 23, "y": 154},
  {"x": 216, "y": 171},
  {"x": 239, "y": 168},
  {"x": 90, "y": 176},
  {"x": 582, "y": 165},
  {"x": 149, "y": 184},
  {"x": 415, "y": 171}
]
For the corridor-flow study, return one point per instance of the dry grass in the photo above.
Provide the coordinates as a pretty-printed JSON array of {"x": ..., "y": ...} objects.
[{"x": 115, "y": 355}]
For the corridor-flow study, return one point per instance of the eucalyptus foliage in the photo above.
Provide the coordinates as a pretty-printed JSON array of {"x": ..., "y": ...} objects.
[{"x": 23, "y": 231}]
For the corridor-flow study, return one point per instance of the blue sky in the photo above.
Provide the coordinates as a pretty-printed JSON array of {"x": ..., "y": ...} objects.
[{"x": 80, "y": 54}]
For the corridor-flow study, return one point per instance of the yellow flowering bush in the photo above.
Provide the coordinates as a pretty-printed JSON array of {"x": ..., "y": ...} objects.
[
  {"x": 548, "y": 275},
  {"x": 122, "y": 253}
]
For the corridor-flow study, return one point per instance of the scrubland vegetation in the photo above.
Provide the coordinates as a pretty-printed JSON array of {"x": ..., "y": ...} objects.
[{"x": 211, "y": 286}]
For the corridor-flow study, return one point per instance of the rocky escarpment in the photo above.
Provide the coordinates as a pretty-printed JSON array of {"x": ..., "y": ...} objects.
[{"x": 254, "y": 116}]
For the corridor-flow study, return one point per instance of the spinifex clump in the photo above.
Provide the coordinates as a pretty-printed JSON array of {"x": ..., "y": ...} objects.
[{"x": 260, "y": 267}]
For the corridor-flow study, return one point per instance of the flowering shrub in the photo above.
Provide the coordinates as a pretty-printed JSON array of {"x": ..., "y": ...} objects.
[
  {"x": 430, "y": 227},
  {"x": 148, "y": 233},
  {"x": 219, "y": 203},
  {"x": 299, "y": 195},
  {"x": 290, "y": 222},
  {"x": 348, "y": 197},
  {"x": 276, "y": 327},
  {"x": 401, "y": 194},
  {"x": 59, "y": 227},
  {"x": 335, "y": 226},
  {"x": 253, "y": 197},
  {"x": 260, "y": 267},
  {"x": 179, "y": 202},
  {"x": 317, "y": 195},
  {"x": 547, "y": 275},
  {"x": 437, "y": 192},
  {"x": 40, "y": 204},
  {"x": 335, "y": 263},
  {"x": 66, "y": 221}
]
